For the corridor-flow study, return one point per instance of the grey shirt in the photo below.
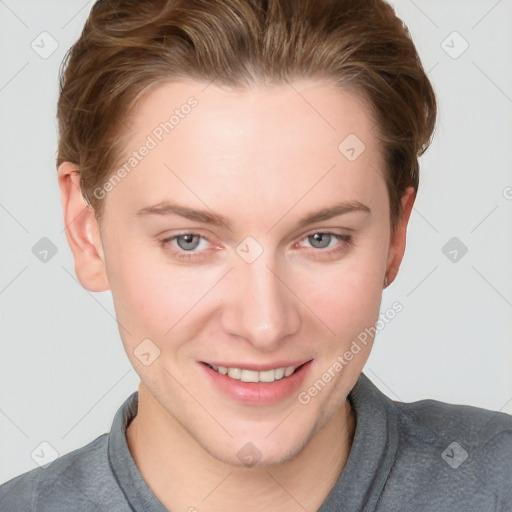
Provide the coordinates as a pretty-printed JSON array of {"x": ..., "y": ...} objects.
[{"x": 421, "y": 456}]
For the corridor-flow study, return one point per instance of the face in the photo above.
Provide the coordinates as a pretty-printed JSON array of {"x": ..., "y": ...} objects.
[{"x": 247, "y": 286}]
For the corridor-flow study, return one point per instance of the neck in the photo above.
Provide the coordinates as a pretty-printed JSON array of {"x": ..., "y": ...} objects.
[{"x": 183, "y": 476}]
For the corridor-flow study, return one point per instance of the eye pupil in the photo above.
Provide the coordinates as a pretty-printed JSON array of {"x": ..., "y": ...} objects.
[
  {"x": 319, "y": 237},
  {"x": 188, "y": 240}
]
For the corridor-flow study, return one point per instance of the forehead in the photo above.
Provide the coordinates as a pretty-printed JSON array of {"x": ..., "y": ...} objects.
[
  {"x": 319, "y": 105},
  {"x": 263, "y": 143}
]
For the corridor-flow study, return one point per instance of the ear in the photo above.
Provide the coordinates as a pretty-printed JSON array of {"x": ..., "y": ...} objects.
[
  {"x": 82, "y": 231},
  {"x": 397, "y": 242}
]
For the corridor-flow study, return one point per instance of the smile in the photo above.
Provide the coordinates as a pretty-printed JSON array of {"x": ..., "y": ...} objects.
[
  {"x": 254, "y": 376},
  {"x": 257, "y": 384}
]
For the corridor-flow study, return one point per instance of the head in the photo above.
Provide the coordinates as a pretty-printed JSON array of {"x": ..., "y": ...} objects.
[{"x": 259, "y": 114}]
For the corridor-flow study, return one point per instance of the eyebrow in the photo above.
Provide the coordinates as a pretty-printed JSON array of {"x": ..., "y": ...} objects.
[{"x": 207, "y": 217}]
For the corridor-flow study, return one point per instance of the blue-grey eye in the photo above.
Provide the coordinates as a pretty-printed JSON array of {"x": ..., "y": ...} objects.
[
  {"x": 189, "y": 241},
  {"x": 322, "y": 239}
]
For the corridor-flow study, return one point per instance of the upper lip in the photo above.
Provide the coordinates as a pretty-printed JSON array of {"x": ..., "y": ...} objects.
[{"x": 259, "y": 367}]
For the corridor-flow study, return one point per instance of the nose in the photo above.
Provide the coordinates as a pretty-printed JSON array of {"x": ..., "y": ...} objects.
[{"x": 262, "y": 308}]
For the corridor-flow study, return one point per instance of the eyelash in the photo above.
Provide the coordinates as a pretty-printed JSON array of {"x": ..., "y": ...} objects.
[{"x": 188, "y": 255}]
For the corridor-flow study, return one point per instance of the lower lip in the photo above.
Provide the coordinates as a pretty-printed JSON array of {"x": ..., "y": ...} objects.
[{"x": 258, "y": 393}]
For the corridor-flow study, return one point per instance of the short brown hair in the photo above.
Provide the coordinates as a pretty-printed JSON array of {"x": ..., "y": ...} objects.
[{"x": 127, "y": 46}]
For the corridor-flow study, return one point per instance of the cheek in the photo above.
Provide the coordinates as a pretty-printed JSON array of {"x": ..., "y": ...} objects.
[
  {"x": 157, "y": 299},
  {"x": 141, "y": 292},
  {"x": 346, "y": 295}
]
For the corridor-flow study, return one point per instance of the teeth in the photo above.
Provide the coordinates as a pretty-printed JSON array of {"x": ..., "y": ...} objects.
[
  {"x": 279, "y": 373},
  {"x": 268, "y": 376},
  {"x": 288, "y": 371},
  {"x": 254, "y": 376},
  {"x": 235, "y": 373},
  {"x": 249, "y": 376}
]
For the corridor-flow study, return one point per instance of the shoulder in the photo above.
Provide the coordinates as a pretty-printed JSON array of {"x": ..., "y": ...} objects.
[
  {"x": 454, "y": 452},
  {"x": 79, "y": 480},
  {"x": 473, "y": 425}
]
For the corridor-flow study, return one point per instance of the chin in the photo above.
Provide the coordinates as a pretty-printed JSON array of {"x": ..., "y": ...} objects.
[
  {"x": 240, "y": 452},
  {"x": 250, "y": 455}
]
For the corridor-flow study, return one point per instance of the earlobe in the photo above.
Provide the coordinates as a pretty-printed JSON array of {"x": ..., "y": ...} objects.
[
  {"x": 397, "y": 242},
  {"x": 82, "y": 231}
]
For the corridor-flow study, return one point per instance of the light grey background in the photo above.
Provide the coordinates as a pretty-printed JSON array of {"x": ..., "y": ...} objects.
[{"x": 63, "y": 371}]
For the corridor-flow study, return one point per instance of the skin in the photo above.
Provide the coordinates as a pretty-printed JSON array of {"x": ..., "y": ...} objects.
[{"x": 263, "y": 158}]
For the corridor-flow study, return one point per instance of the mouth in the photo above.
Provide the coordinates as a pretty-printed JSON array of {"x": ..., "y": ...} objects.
[
  {"x": 257, "y": 385},
  {"x": 255, "y": 376}
]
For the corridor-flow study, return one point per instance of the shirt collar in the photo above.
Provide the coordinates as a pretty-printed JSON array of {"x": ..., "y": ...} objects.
[
  {"x": 372, "y": 453},
  {"x": 358, "y": 488},
  {"x": 134, "y": 487}
]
